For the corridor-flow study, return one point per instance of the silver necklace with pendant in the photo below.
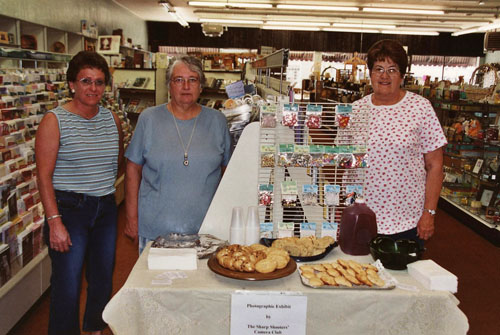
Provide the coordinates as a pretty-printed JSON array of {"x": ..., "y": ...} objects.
[{"x": 186, "y": 160}]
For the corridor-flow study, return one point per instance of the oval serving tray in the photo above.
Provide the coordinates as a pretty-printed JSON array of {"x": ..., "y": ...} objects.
[{"x": 269, "y": 241}]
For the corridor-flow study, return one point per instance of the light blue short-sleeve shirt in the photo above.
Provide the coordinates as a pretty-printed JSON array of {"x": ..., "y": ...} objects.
[{"x": 174, "y": 198}]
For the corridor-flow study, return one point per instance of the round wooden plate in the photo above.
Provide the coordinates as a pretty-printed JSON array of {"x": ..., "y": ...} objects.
[{"x": 215, "y": 267}]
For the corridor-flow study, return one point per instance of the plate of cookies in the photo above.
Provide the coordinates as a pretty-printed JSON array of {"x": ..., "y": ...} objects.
[
  {"x": 346, "y": 274},
  {"x": 254, "y": 262},
  {"x": 303, "y": 249}
]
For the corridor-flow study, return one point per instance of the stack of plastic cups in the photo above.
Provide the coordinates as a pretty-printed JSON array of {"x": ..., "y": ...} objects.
[
  {"x": 237, "y": 230},
  {"x": 252, "y": 228}
]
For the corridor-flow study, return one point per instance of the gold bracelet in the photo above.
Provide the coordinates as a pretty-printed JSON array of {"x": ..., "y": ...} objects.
[{"x": 54, "y": 217}]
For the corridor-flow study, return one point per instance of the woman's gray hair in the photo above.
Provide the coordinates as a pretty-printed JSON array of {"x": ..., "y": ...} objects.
[{"x": 193, "y": 63}]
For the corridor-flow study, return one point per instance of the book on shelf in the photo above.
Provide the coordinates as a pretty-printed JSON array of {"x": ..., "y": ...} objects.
[
  {"x": 140, "y": 82},
  {"x": 5, "y": 269},
  {"x": 132, "y": 105},
  {"x": 143, "y": 104},
  {"x": 138, "y": 105}
]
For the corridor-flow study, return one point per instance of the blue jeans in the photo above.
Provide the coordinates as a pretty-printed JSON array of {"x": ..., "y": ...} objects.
[{"x": 91, "y": 223}]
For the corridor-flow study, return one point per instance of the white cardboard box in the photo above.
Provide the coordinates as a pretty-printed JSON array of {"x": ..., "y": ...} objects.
[
  {"x": 172, "y": 259},
  {"x": 433, "y": 276}
]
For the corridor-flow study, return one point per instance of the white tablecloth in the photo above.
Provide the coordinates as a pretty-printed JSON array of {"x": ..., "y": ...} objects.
[{"x": 201, "y": 304}]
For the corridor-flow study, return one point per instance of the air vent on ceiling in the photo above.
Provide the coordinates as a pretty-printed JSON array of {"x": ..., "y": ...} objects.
[
  {"x": 492, "y": 41},
  {"x": 212, "y": 30}
]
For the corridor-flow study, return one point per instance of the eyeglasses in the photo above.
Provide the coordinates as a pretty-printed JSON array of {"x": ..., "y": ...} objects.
[
  {"x": 179, "y": 81},
  {"x": 88, "y": 82},
  {"x": 391, "y": 71}
]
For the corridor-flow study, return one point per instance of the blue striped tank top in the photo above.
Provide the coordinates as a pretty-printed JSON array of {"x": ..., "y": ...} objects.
[{"x": 87, "y": 161}]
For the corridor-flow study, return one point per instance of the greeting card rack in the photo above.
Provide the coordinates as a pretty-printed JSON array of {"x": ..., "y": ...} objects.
[{"x": 312, "y": 165}]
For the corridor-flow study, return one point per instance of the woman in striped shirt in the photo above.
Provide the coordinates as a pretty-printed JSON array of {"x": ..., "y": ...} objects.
[{"x": 78, "y": 150}]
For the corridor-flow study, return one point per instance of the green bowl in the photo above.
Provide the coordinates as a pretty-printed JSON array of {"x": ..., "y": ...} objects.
[{"x": 395, "y": 255}]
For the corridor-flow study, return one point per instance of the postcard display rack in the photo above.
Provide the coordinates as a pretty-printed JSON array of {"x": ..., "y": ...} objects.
[{"x": 313, "y": 160}]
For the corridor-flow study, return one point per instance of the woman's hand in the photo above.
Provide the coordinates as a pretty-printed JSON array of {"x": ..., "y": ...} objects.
[
  {"x": 131, "y": 229},
  {"x": 59, "y": 237},
  {"x": 425, "y": 226}
]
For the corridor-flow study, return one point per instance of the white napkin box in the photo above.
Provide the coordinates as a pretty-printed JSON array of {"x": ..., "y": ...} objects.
[
  {"x": 172, "y": 259},
  {"x": 433, "y": 276}
]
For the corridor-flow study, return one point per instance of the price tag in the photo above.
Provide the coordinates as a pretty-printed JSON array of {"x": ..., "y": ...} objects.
[{"x": 268, "y": 313}]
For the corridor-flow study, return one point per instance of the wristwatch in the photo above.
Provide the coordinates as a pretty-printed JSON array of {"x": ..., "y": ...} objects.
[{"x": 430, "y": 211}]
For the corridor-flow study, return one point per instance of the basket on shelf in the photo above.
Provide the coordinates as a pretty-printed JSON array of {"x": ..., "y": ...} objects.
[
  {"x": 475, "y": 93},
  {"x": 479, "y": 88}
]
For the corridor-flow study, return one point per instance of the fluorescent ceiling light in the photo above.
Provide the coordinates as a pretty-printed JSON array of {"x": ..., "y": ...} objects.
[
  {"x": 362, "y": 25},
  {"x": 402, "y": 11},
  {"x": 410, "y": 32},
  {"x": 466, "y": 31},
  {"x": 229, "y": 4},
  {"x": 309, "y": 7},
  {"x": 297, "y": 23},
  {"x": 490, "y": 26},
  {"x": 232, "y": 21},
  {"x": 179, "y": 19},
  {"x": 351, "y": 30},
  {"x": 290, "y": 28},
  {"x": 170, "y": 10}
]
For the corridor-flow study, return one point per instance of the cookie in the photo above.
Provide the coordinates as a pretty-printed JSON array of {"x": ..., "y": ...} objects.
[
  {"x": 315, "y": 281},
  {"x": 308, "y": 274},
  {"x": 266, "y": 265},
  {"x": 281, "y": 261}
]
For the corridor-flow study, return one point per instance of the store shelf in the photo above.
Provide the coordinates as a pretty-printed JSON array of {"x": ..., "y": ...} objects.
[
  {"x": 23, "y": 290},
  {"x": 47, "y": 46},
  {"x": 136, "y": 90},
  {"x": 478, "y": 223},
  {"x": 222, "y": 71}
]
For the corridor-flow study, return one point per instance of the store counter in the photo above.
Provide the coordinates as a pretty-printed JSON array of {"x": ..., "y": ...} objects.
[{"x": 201, "y": 304}]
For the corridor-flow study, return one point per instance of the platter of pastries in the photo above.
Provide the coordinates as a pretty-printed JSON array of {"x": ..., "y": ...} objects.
[
  {"x": 254, "y": 262},
  {"x": 345, "y": 274},
  {"x": 303, "y": 249}
]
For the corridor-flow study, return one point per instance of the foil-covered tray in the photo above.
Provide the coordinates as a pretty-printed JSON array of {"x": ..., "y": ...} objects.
[{"x": 205, "y": 244}]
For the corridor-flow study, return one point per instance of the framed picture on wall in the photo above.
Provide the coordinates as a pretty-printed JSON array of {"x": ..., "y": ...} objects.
[{"x": 109, "y": 44}]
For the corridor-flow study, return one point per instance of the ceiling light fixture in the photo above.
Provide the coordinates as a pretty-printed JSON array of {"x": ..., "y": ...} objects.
[
  {"x": 402, "y": 11},
  {"x": 362, "y": 25},
  {"x": 351, "y": 30},
  {"x": 231, "y": 21},
  {"x": 465, "y": 31},
  {"x": 290, "y": 28},
  {"x": 298, "y": 23},
  {"x": 410, "y": 32},
  {"x": 490, "y": 26},
  {"x": 170, "y": 10},
  {"x": 228, "y": 4},
  {"x": 310, "y": 7}
]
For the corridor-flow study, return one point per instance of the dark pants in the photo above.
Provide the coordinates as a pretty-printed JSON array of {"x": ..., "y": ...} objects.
[
  {"x": 409, "y": 234},
  {"x": 91, "y": 224}
]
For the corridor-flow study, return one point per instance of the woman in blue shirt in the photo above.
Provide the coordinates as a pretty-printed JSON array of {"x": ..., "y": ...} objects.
[{"x": 175, "y": 159}]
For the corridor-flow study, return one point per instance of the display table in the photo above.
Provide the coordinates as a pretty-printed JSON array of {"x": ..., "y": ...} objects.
[{"x": 201, "y": 304}]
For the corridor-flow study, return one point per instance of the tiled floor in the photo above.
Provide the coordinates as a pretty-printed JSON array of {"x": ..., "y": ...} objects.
[{"x": 474, "y": 260}]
